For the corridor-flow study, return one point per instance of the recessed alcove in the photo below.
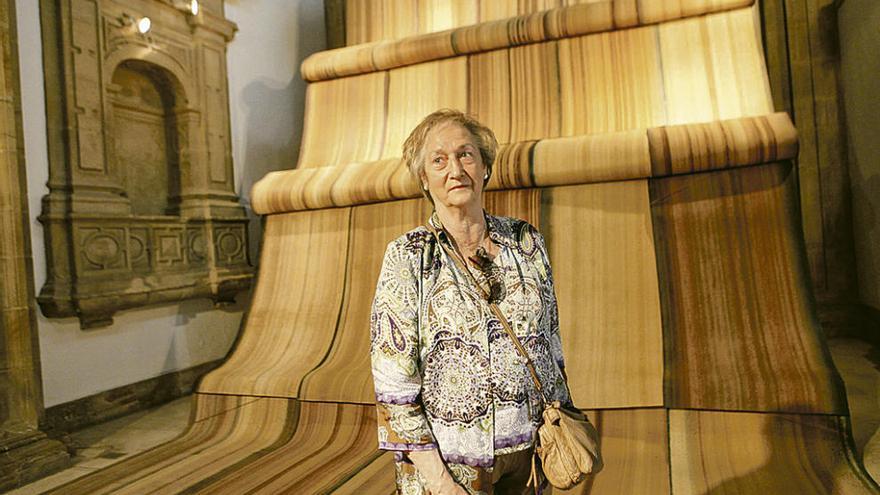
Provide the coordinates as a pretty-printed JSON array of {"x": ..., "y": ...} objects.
[
  {"x": 141, "y": 206},
  {"x": 144, "y": 132}
]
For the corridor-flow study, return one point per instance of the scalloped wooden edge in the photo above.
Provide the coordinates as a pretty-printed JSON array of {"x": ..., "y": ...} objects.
[
  {"x": 553, "y": 24},
  {"x": 654, "y": 152}
]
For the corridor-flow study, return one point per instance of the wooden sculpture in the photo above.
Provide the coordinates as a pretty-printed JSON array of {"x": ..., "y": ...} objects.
[{"x": 639, "y": 136}]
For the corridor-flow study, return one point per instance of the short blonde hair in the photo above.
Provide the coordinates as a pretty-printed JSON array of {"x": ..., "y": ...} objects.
[{"x": 413, "y": 147}]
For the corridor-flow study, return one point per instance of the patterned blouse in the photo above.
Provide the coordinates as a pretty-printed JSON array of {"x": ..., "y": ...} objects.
[{"x": 446, "y": 373}]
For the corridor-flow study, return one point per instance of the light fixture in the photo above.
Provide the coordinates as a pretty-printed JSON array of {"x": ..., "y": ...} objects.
[
  {"x": 131, "y": 25},
  {"x": 144, "y": 24},
  {"x": 190, "y": 7}
]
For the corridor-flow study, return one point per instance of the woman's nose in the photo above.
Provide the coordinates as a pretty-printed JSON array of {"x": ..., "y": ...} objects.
[{"x": 455, "y": 168}]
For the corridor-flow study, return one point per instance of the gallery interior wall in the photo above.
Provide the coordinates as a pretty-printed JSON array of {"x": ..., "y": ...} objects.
[
  {"x": 266, "y": 99},
  {"x": 859, "y": 22}
]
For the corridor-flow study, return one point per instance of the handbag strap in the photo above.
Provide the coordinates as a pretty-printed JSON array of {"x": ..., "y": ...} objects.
[{"x": 458, "y": 259}]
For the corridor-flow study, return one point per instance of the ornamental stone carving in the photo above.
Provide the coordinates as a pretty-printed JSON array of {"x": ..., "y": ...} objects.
[{"x": 141, "y": 206}]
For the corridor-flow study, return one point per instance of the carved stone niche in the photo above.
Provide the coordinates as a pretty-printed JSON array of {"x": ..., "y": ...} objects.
[{"x": 141, "y": 206}]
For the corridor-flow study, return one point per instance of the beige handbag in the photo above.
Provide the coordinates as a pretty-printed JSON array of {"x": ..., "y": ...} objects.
[{"x": 568, "y": 444}]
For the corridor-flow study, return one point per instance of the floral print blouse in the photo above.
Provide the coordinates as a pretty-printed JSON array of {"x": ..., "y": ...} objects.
[{"x": 446, "y": 373}]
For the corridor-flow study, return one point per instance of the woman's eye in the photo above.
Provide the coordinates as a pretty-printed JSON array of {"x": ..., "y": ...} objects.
[{"x": 466, "y": 154}]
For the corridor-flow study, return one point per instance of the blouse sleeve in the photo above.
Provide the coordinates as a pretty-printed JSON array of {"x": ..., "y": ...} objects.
[
  {"x": 394, "y": 340},
  {"x": 551, "y": 306}
]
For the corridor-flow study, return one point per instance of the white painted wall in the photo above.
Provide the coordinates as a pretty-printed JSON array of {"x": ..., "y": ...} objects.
[
  {"x": 266, "y": 104},
  {"x": 266, "y": 91}
]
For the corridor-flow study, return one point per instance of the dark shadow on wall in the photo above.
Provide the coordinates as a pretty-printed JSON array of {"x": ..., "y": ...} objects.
[{"x": 274, "y": 109}]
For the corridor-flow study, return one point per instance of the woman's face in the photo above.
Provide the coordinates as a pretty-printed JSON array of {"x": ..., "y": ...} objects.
[{"x": 454, "y": 169}]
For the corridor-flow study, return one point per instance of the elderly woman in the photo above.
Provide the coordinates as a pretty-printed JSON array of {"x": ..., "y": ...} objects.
[{"x": 455, "y": 400}]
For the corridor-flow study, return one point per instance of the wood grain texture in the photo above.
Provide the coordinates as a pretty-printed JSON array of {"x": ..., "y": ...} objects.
[
  {"x": 635, "y": 449},
  {"x": 224, "y": 432},
  {"x": 601, "y": 247},
  {"x": 503, "y": 25},
  {"x": 330, "y": 443},
  {"x": 378, "y": 477},
  {"x": 344, "y": 375},
  {"x": 611, "y": 82},
  {"x": 293, "y": 317},
  {"x": 729, "y": 453},
  {"x": 534, "y": 92},
  {"x": 740, "y": 331},
  {"x": 244, "y": 445},
  {"x": 713, "y": 68},
  {"x": 591, "y": 158},
  {"x": 489, "y": 91},
  {"x": 333, "y": 109},
  {"x": 722, "y": 144},
  {"x": 409, "y": 102},
  {"x": 522, "y": 203}
]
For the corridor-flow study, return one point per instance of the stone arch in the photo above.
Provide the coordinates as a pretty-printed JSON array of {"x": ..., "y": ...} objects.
[{"x": 147, "y": 135}]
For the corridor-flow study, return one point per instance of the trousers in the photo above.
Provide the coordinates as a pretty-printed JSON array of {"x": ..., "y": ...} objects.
[{"x": 509, "y": 476}]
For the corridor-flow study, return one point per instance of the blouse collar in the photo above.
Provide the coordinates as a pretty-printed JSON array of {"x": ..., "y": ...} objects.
[{"x": 500, "y": 232}]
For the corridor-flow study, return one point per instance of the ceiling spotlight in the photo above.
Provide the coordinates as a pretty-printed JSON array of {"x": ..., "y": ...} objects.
[{"x": 144, "y": 24}]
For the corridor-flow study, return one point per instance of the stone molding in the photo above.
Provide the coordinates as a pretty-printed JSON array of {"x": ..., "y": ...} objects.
[{"x": 103, "y": 252}]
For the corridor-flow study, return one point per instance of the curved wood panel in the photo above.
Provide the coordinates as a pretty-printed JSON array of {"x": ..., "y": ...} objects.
[
  {"x": 696, "y": 70},
  {"x": 333, "y": 109},
  {"x": 522, "y": 203},
  {"x": 224, "y": 432},
  {"x": 611, "y": 82},
  {"x": 635, "y": 450},
  {"x": 602, "y": 250},
  {"x": 592, "y": 158},
  {"x": 378, "y": 477},
  {"x": 489, "y": 91},
  {"x": 293, "y": 315},
  {"x": 409, "y": 102},
  {"x": 550, "y": 162},
  {"x": 723, "y": 453},
  {"x": 331, "y": 442},
  {"x": 546, "y": 22},
  {"x": 713, "y": 68},
  {"x": 729, "y": 143},
  {"x": 345, "y": 375},
  {"x": 740, "y": 332}
]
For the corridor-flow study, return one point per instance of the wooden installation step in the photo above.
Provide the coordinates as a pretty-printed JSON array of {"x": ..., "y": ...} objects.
[
  {"x": 739, "y": 329},
  {"x": 637, "y": 154},
  {"x": 546, "y": 25}
]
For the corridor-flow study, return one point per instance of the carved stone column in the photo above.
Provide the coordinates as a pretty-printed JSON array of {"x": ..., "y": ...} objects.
[{"x": 25, "y": 452}]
